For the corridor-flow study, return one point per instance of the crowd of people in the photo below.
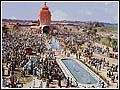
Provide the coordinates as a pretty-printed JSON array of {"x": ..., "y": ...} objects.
[
  {"x": 72, "y": 45},
  {"x": 45, "y": 66},
  {"x": 14, "y": 55}
]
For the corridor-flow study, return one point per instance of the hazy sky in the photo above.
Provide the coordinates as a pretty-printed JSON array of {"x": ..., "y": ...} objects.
[{"x": 81, "y": 11}]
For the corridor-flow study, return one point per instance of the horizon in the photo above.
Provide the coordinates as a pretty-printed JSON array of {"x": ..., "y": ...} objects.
[
  {"x": 60, "y": 21},
  {"x": 106, "y": 12}
]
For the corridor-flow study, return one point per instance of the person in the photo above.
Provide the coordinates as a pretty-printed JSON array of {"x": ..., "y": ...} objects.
[
  {"x": 24, "y": 72},
  {"x": 102, "y": 84},
  {"x": 117, "y": 85},
  {"x": 31, "y": 66},
  {"x": 33, "y": 83},
  {"x": 3, "y": 70},
  {"x": 50, "y": 78},
  {"x": 116, "y": 68},
  {"x": 99, "y": 84},
  {"x": 109, "y": 73},
  {"x": 113, "y": 78},
  {"x": 79, "y": 54},
  {"x": 39, "y": 73},
  {"x": 59, "y": 82},
  {"x": 107, "y": 63},
  {"x": 107, "y": 50},
  {"x": 71, "y": 82},
  {"x": 107, "y": 84},
  {"x": 4, "y": 82},
  {"x": 41, "y": 84},
  {"x": 13, "y": 80},
  {"x": 34, "y": 71},
  {"x": 47, "y": 84},
  {"x": 67, "y": 82},
  {"x": 99, "y": 67},
  {"x": 76, "y": 84},
  {"x": 116, "y": 77}
]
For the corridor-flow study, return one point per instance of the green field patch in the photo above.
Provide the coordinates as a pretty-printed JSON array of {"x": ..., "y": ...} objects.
[
  {"x": 107, "y": 29},
  {"x": 108, "y": 41}
]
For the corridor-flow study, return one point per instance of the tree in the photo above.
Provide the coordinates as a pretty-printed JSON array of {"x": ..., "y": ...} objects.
[
  {"x": 65, "y": 28},
  {"x": 70, "y": 29},
  {"x": 16, "y": 26},
  {"x": 94, "y": 31},
  {"x": 84, "y": 30},
  {"x": 97, "y": 24},
  {"x": 5, "y": 29},
  {"x": 109, "y": 40},
  {"x": 98, "y": 38},
  {"x": 88, "y": 32},
  {"x": 114, "y": 43}
]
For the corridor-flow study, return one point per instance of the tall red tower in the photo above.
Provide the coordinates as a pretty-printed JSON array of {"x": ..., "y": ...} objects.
[{"x": 45, "y": 15}]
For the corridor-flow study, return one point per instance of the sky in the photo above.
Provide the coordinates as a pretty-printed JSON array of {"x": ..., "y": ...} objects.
[{"x": 72, "y": 11}]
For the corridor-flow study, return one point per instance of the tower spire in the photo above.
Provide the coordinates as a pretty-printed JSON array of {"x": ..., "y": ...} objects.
[{"x": 45, "y": 3}]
